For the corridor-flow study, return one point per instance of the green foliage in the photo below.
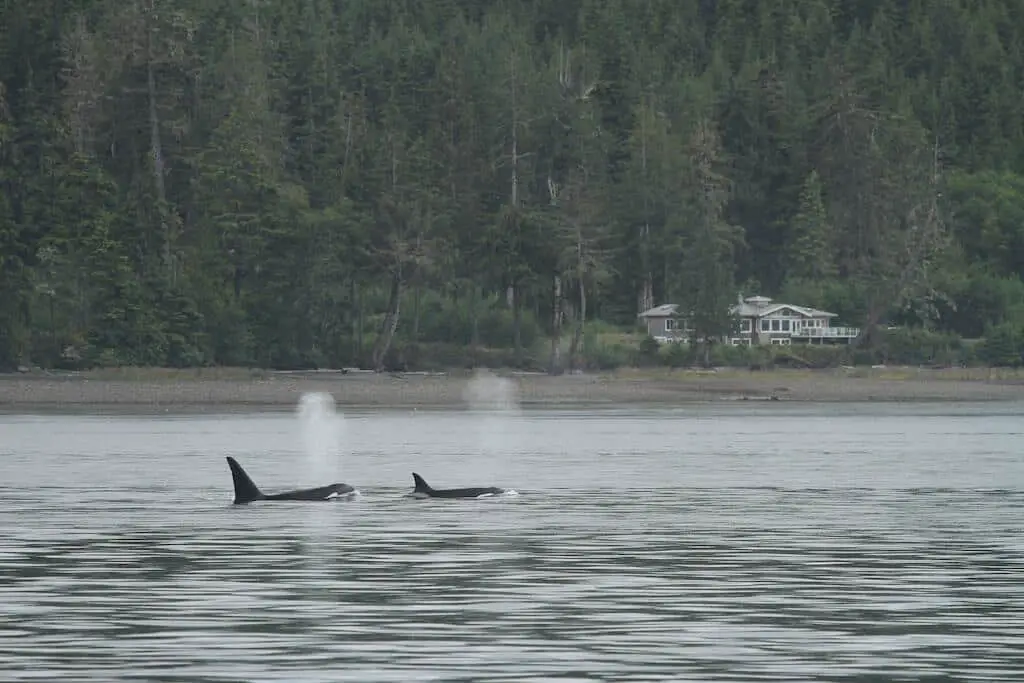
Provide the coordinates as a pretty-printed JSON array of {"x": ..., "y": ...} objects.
[
  {"x": 978, "y": 299},
  {"x": 443, "y": 320},
  {"x": 845, "y": 298},
  {"x": 647, "y": 352},
  {"x": 811, "y": 255},
  {"x": 196, "y": 184},
  {"x": 709, "y": 265},
  {"x": 1003, "y": 346},
  {"x": 919, "y": 346},
  {"x": 599, "y": 355},
  {"x": 680, "y": 355},
  {"x": 989, "y": 218}
]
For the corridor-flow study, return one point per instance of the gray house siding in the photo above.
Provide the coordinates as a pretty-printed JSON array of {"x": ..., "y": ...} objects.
[{"x": 760, "y": 322}]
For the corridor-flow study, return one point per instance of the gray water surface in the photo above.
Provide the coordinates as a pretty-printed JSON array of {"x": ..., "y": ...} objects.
[{"x": 739, "y": 542}]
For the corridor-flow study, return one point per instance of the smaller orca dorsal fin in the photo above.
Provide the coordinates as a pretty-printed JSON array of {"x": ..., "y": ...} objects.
[
  {"x": 421, "y": 485},
  {"x": 246, "y": 490}
]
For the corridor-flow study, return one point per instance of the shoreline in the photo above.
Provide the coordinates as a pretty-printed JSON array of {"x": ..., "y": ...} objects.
[{"x": 233, "y": 389}]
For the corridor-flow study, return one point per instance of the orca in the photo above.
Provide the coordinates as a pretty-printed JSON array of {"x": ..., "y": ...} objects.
[
  {"x": 423, "y": 490},
  {"x": 247, "y": 492}
]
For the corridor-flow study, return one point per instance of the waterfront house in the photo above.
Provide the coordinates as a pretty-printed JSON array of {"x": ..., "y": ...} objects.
[{"x": 761, "y": 321}]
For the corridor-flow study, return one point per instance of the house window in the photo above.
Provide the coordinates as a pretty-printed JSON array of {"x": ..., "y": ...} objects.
[
  {"x": 670, "y": 324},
  {"x": 785, "y": 326},
  {"x": 765, "y": 325},
  {"x": 745, "y": 325},
  {"x": 775, "y": 326}
]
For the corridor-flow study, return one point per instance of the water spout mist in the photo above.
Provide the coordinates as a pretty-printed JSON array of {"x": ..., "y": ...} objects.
[
  {"x": 486, "y": 392},
  {"x": 321, "y": 429},
  {"x": 495, "y": 400}
]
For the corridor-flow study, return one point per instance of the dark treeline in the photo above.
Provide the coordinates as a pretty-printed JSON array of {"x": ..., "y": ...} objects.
[{"x": 294, "y": 183}]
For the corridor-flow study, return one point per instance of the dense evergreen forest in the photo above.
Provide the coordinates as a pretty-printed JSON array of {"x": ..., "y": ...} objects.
[{"x": 301, "y": 183}]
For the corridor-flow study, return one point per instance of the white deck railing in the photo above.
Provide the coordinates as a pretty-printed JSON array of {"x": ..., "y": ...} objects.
[
  {"x": 802, "y": 333},
  {"x": 826, "y": 332}
]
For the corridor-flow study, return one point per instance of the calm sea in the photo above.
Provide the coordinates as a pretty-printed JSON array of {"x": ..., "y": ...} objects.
[{"x": 735, "y": 542}]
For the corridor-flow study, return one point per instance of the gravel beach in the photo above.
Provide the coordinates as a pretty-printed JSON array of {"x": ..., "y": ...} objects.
[{"x": 237, "y": 389}]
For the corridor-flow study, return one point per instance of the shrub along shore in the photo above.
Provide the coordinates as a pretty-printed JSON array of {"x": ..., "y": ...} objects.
[{"x": 236, "y": 389}]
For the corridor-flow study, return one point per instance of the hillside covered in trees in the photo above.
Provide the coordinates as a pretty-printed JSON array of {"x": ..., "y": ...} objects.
[{"x": 297, "y": 183}]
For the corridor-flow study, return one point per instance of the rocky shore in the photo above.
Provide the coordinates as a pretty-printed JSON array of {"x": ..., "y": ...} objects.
[{"x": 238, "y": 389}]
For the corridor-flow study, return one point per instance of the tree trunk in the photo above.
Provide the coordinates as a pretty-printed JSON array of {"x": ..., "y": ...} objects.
[
  {"x": 360, "y": 341},
  {"x": 645, "y": 301},
  {"x": 390, "y": 322},
  {"x": 577, "y": 337},
  {"x": 25, "y": 359},
  {"x": 416, "y": 294},
  {"x": 355, "y": 320},
  {"x": 514, "y": 292},
  {"x": 515, "y": 135},
  {"x": 555, "y": 361},
  {"x": 156, "y": 152},
  {"x": 865, "y": 338},
  {"x": 474, "y": 318},
  {"x": 517, "y": 323}
]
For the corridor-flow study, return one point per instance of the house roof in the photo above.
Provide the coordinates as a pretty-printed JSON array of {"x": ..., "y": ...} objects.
[
  {"x": 751, "y": 307},
  {"x": 662, "y": 311},
  {"x": 746, "y": 309}
]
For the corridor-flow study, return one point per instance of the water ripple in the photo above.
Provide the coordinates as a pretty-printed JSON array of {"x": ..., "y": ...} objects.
[
  {"x": 597, "y": 571},
  {"x": 734, "y": 584}
]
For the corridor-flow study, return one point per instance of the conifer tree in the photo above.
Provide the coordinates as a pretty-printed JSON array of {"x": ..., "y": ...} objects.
[{"x": 812, "y": 245}]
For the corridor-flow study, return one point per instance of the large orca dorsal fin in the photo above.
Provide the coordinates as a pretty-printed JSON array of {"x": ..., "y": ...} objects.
[
  {"x": 421, "y": 485},
  {"x": 246, "y": 490}
]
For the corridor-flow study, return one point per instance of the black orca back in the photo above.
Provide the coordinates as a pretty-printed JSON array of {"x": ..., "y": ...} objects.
[
  {"x": 474, "y": 492},
  {"x": 246, "y": 490},
  {"x": 319, "y": 493}
]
